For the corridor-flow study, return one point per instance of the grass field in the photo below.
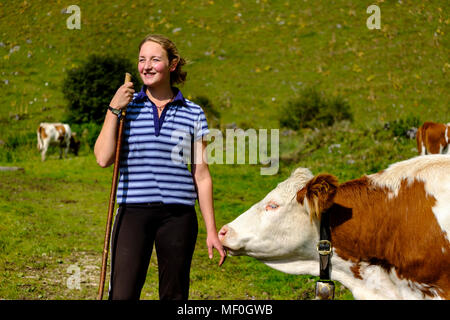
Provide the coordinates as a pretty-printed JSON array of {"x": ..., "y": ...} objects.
[{"x": 249, "y": 58}]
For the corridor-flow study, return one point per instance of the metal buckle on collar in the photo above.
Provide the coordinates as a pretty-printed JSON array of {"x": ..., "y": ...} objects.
[{"x": 324, "y": 247}]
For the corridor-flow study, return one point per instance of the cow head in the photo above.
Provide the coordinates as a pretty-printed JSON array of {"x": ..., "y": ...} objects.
[
  {"x": 284, "y": 226},
  {"x": 74, "y": 143}
]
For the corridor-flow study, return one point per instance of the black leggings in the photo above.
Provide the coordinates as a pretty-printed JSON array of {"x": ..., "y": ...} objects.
[{"x": 172, "y": 229}]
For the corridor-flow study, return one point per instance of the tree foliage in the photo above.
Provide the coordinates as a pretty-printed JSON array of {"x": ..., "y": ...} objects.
[
  {"x": 90, "y": 87},
  {"x": 313, "y": 109}
]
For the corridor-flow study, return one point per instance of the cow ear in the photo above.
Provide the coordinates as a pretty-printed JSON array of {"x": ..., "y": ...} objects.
[{"x": 318, "y": 193}]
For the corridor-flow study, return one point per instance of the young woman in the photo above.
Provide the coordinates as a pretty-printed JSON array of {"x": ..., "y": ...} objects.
[{"x": 156, "y": 192}]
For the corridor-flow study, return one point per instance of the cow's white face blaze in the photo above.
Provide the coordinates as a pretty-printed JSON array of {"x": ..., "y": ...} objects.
[{"x": 276, "y": 228}]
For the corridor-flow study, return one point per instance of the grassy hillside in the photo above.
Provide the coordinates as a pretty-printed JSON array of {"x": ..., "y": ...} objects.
[
  {"x": 249, "y": 55},
  {"x": 249, "y": 58}
]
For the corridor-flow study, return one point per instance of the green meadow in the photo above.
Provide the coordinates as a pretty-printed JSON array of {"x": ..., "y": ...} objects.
[{"x": 249, "y": 58}]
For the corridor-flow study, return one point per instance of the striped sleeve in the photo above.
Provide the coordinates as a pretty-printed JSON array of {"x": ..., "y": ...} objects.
[{"x": 200, "y": 126}]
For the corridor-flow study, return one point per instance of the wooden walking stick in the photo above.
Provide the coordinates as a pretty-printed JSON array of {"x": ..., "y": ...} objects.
[{"x": 112, "y": 198}]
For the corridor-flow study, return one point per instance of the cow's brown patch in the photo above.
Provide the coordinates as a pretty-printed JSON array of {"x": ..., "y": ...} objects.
[
  {"x": 42, "y": 132},
  {"x": 356, "y": 271},
  {"x": 62, "y": 132},
  {"x": 400, "y": 233}
]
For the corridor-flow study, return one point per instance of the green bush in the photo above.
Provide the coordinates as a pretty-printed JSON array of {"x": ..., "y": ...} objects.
[
  {"x": 87, "y": 133},
  {"x": 314, "y": 110},
  {"x": 400, "y": 127},
  {"x": 90, "y": 87}
]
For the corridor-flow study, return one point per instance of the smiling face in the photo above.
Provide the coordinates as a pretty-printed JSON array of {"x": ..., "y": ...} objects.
[
  {"x": 154, "y": 66},
  {"x": 276, "y": 228}
]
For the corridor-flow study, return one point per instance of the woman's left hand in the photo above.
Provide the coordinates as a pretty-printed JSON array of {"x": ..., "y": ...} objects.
[{"x": 212, "y": 241}]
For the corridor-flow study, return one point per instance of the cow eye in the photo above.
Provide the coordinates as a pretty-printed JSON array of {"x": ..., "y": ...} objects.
[{"x": 271, "y": 206}]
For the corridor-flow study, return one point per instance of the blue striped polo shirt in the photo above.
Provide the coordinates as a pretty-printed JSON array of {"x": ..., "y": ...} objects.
[{"x": 156, "y": 151}]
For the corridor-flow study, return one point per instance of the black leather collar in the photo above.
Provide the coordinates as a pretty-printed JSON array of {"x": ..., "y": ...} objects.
[
  {"x": 324, "y": 246},
  {"x": 325, "y": 287}
]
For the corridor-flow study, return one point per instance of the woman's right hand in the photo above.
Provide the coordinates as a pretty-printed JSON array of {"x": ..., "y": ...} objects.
[{"x": 123, "y": 96}]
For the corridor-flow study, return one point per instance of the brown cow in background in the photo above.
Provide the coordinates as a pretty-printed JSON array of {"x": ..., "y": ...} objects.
[{"x": 433, "y": 138}]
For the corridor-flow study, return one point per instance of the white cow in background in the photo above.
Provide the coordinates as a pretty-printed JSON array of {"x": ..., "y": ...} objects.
[
  {"x": 56, "y": 134},
  {"x": 389, "y": 230}
]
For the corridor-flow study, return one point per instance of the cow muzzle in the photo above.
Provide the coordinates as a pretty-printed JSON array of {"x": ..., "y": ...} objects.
[
  {"x": 223, "y": 232},
  {"x": 227, "y": 236}
]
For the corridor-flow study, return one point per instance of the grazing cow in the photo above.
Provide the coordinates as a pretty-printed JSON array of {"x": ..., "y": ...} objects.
[
  {"x": 433, "y": 138},
  {"x": 389, "y": 230},
  {"x": 56, "y": 134}
]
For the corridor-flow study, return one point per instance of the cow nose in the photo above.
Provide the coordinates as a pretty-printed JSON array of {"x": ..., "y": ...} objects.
[{"x": 223, "y": 232}]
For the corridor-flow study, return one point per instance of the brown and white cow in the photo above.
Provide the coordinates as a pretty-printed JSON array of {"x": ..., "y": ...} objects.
[
  {"x": 389, "y": 230},
  {"x": 56, "y": 134},
  {"x": 433, "y": 138}
]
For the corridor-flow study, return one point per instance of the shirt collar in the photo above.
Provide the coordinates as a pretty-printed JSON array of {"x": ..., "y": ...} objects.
[{"x": 179, "y": 98}]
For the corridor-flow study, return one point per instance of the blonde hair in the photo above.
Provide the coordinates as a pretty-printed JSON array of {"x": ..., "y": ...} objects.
[{"x": 178, "y": 75}]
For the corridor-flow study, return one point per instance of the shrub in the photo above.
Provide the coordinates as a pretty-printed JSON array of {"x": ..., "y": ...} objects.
[
  {"x": 314, "y": 110},
  {"x": 87, "y": 133},
  {"x": 90, "y": 87},
  {"x": 400, "y": 127}
]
